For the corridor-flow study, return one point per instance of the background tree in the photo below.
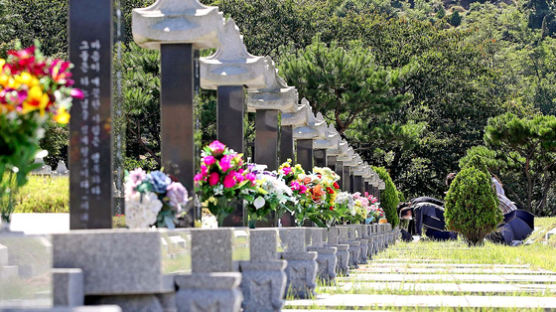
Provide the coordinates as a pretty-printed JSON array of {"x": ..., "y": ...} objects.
[
  {"x": 389, "y": 199},
  {"x": 344, "y": 85},
  {"x": 530, "y": 142}
]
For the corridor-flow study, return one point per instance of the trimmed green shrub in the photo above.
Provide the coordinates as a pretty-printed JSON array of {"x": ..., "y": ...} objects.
[
  {"x": 389, "y": 196},
  {"x": 471, "y": 206}
]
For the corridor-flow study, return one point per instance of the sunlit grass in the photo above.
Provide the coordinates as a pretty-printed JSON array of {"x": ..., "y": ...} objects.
[{"x": 43, "y": 194}]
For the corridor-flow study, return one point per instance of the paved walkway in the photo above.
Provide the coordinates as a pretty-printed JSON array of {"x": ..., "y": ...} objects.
[{"x": 408, "y": 284}]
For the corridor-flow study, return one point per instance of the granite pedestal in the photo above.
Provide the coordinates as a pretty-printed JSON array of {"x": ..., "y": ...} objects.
[
  {"x": 342, "y": 251},
  {"x": 326, "y": 255},
  {"x": 302, "y": 265},
  {"x": 263, "y": 277},
  {"x": 354, "y": 246}
]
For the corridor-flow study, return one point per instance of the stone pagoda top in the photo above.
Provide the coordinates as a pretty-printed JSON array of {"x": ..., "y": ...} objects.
[
  {"x": 297, "y": 118},
  {"x": 331, "y": 141},
  {"x": 231, "y": 64},
  {"x": 177, "y": 22}
]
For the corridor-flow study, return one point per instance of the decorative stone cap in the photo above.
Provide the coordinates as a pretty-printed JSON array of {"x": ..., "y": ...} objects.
[
  {"x": 338, "y": 146},
  {"x": 347, "y": 157},
  {"x": 231, "y": 64},
  {"x": 297, "y": 118},
  {"x": 177, "y": 22},
  {"x": 331, "y": 141},
  {"x": 315, "y": 128},
  {"x": 275, "y": 95}
]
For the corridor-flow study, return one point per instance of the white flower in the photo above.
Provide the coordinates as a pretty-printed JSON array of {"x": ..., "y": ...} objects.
[
  {"x": 259, "y": 202},
  {"x": 209, "y": 222},
  {"x": 141, "y": 209}
]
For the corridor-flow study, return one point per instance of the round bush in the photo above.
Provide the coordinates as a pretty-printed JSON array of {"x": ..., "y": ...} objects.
[
  {"x": 388, "y": 197},
  {"x": 471, "y": 206}
]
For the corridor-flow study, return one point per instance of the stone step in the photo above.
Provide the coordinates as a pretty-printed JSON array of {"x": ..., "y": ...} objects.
[
  {"x": 447, "y": 265},
  {"x": 403, "y": 260},
  {"x": 8, "y": 272},
  {"x": 445, "y": 287},
  {"x": 450, "y": 270},
  {"x": 376, "y": 301},
  {"x": 3, "y": 255},
  {"x": 481, "y": 278}
]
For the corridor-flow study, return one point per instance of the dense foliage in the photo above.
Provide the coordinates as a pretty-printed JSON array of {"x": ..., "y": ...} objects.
[
  {"x": 472, "y": 206},
  {"x": 389, "y": 196},
  {"x": 424, "y": 76}
]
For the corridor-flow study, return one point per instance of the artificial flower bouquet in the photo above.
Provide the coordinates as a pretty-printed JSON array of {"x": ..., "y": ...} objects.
[
  {"x": 34, "y": 91},
  {"x": 345, "y": 208},
  {"x": 153, "y": 199},
  {"x": 272, "y": 194},
  {"x": 293, "y": 176},
  {"x": 223, "y": 180}
]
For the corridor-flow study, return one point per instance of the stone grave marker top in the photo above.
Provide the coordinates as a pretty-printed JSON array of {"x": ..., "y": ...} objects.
[
  {"x": 231, "y": 64},
  {"x": 333, "y": 236},
  {"x": 211, "y": 250},
  {"x": 275, "y": 95},
  {"x": 61, "y": 168},
  {"x": 177, "y": 22},
  {"x": 332, "y": 143},
  {"x": 316, "y": 236},
  {"x": 314, "y": 129},
  {"x": 297, "y": 118},
  {"x": 292, "y": 239},
  {"x": 263, "y": 244}
]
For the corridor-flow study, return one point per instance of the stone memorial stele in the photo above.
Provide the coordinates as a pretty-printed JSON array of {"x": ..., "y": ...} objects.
[
  {"x": 90, "y": 149},
  {"x": 326, "y": 255},
  {"x": 263, "y": 277},
  {"x": 301, "y": 269},
  {"x": 229, "y": 70},
  {"x": 342, "y": 251},
  {"x": 322, "y": 145},
  {"x": 178, "y": 28},
  {"x": 346, "y": 158},
  {"x": 304, "y": 135},
  {"x": 289, "y": 121},
  {"x": 364, "y": 240},
  {"x": 267, "y": 103}
]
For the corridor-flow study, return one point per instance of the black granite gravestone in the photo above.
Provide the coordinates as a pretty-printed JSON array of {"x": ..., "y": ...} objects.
[
  {"x": 305, "y": 154},
  {"x": 230, "y": 115},
  {"x": 176, "y": 115},
  {"x": 90, "y": 148},
  {"x": 286, "y": 144},
  {"x": 266, "y": 138},
  {"x": 320, "y": 157}
]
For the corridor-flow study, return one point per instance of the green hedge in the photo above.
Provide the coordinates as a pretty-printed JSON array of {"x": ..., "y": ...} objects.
[
  {"x": 471, "y": 205},
  {"x": 43, "y": 194},
  {"x": 388, "y": 197}
]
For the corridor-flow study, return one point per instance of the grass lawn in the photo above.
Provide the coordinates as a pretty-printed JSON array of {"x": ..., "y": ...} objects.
[
  {"x": 44, "y": 194},
  {"x": 538, "y": 254}
]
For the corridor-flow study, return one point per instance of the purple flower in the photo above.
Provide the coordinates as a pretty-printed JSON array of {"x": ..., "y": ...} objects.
[{"x": 177, "y": 194}]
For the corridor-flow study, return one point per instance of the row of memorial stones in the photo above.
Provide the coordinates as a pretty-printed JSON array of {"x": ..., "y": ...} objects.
[
  {"x": 123, "y": 268},
  {"x": 179, "y": 29}
]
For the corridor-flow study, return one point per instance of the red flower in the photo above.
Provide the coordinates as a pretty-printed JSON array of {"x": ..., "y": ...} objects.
[
  {"x": 329, "y": 190},
  {"x": 336, "y": 185},
  {"x": 331, "y": 208}
]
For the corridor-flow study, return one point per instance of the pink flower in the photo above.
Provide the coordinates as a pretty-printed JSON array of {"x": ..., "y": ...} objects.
[
  {"x": 214, "y": 178},
  {"x": 177, "y": 194},
  {"x": 286, "y": 170},
  {"x": 226, "y": 162},
  {"x": 229, "y": 181},
  {"x": 137, "y": 176},
  {"x": 251, "y": 177},
  {"x": 77, "y": 94},
  {"x": 198, "y": 177},
  {"x": 302, "y": 189},
  {"x": 217, "y": 147},
  {"x": 238, "y": 176},
  {"x": 203, "y": 170},
  {"x": 209, "y": 160}
]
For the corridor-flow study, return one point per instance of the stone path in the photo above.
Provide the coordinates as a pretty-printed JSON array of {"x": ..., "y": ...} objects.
[{"x": 406, "y": 284}]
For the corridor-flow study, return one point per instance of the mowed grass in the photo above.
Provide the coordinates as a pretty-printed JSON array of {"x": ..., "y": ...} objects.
[
  {"x": 538, "y": 254},
  {"x": 43, "y": 194}
]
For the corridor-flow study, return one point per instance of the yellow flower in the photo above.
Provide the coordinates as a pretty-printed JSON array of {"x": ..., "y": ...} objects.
[
  {"x": 4, "y": 79},
  {"x": 2, "y": 63},
  {"x": 62, "y": 117},
  {"x": 36, "y": 99},
  {"x": 27, "y": 79}
]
